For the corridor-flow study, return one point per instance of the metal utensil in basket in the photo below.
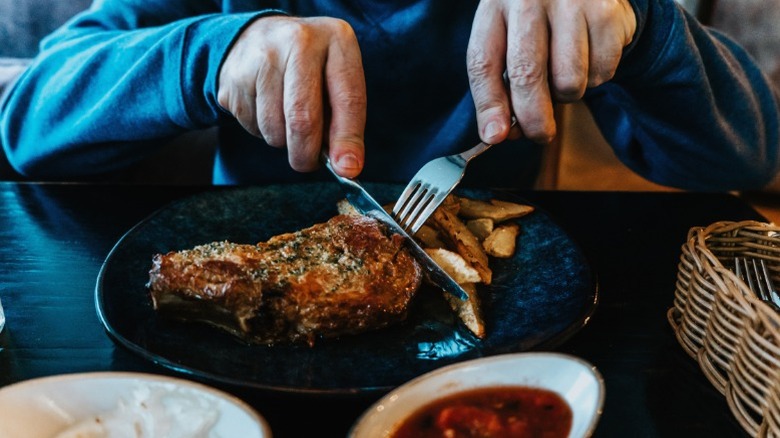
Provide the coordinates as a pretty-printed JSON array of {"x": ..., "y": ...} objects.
[
  {"x": 758, "y": 278},
  {"x": 729, "y": 322}
]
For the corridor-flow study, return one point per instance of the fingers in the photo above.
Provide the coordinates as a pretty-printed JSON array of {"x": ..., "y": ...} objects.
[
  {"x": 485, "y": 61},
  {"x": 303, "y": 109},
  {"x": 269, "y": 114},
  {"x": 508, "y": 48},
  {"x": 587, "y": 41},
  {"x": 612, "y": 27},
  {"x": 340, "y": 65},
  {"x": 236, "y": 91},
  {"x": 551, "y": 50},
  {"x": 284, "y": 74},
  {"x": 569, "y": 53},
  {"x": 527, "y": 61},
  {"x": 346, "y": 88}
]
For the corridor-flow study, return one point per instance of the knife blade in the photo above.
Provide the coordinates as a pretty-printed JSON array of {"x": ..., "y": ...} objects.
[{"x": 367, "y": 205}]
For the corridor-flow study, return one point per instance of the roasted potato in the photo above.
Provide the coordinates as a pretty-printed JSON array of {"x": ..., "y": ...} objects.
[
  {"x": 502, "y": 241},
  {"x": 455, "y": 232},
  {"x": 451, "y": 203},
  {"x": 455, "y": 265},
  {"x": 469, "y": 311},
  {"x": 481, "y": 227},
  {"x": 499, "y": 211},
  {"x": 429, "y": 237}
]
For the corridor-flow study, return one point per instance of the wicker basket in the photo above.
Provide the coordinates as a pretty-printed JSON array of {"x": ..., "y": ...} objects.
[{"x": 720, "y": 321}]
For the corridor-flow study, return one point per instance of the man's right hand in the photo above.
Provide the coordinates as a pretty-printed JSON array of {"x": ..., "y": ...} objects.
[{"x": 285, "y": 78}]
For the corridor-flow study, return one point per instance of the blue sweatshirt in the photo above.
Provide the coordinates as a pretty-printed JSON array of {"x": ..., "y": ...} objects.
[{"x": 687, "y": 108}]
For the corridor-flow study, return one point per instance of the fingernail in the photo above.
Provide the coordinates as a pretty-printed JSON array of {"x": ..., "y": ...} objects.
[
  {"x": 491, "y": 130},
  {"x": 348, "y": 162}
]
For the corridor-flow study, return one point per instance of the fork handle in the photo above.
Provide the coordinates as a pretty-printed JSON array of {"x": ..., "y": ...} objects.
[
  {"x": 480, "y": 147},
  {"x": 474, "y": 151}
]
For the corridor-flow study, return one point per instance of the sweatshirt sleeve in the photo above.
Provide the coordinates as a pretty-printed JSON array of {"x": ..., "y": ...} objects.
[
  {"x": 114, "y": 83},
  {"x": 688, "y": 107}
]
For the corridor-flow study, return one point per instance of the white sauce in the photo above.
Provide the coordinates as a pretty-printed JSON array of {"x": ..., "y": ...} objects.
[{"x": 151, "y": 411}]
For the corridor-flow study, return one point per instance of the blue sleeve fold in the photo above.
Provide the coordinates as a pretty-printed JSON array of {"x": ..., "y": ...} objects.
[
  {"x": 688, "y": 107},
  {"x": 78, "y": 104}
]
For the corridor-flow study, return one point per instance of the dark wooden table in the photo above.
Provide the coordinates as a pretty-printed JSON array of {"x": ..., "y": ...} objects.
[{"x": 54, "y": 238}]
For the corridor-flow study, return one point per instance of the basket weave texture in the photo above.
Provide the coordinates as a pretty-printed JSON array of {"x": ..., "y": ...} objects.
[{"x": 720, "y": 322}]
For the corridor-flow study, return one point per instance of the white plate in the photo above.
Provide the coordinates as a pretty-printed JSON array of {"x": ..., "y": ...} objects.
[
  {"x": 47, "y": 406},
  {"x": 578, "y": 382}
]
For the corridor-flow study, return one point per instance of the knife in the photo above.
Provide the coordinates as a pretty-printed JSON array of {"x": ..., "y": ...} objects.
[{"x": 367, "y": 205}]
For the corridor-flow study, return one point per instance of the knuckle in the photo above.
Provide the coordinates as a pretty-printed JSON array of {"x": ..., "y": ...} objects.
[
  {"x": 526, "y": 73},
  {"x": 478, "y": 63},
  {"x": 349, "y": 100},
  {"x": 300, "y": 121},
  {"x": 540, "y": 134},
  {"x": 569, "y": 86},
  {"x": 491, "y": 108},
  {"x": 342, "y": 29},
  {"x": 299, "y": 33},
  {"x": 568, "y": 94},
  {"x": 601, "y": 10}
]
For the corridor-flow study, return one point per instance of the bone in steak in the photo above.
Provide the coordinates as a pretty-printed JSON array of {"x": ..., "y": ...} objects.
[{"x": 344, "y": 276}]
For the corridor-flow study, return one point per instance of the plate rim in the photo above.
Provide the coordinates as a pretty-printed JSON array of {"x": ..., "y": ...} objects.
[
  {"x": 143, "y": 377},
  {"x": 560, "y": 357},
  {"x": 577, "y": 324}
]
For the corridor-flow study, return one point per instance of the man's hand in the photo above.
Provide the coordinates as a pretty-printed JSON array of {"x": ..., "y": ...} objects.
[
  {"x": 550, "y": 50},
  {"x": 286, "y": 78}
]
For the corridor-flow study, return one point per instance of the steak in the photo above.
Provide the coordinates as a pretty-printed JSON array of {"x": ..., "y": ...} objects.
[{"x": 344, "y": 276}]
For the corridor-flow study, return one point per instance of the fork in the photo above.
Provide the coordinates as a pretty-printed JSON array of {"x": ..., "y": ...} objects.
[
  {"x": 431, "y": 185},
  {"x": 758, "y": 279}
]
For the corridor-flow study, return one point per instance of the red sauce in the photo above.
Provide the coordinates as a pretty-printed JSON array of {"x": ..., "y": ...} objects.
[{"x": 497, "y": 412}]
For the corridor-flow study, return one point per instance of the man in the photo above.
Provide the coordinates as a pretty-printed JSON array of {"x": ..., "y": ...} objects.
[{"x": 388, "y": 85}]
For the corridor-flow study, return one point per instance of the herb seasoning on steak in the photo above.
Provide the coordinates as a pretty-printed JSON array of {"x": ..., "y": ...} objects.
[{"x": 344, "y": 276}]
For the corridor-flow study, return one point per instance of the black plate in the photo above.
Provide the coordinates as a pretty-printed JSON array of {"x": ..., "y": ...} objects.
[{"x": 538, "y": 298}]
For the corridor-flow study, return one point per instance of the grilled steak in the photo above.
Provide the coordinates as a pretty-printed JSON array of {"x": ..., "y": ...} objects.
[{"x": 343, "y": 276}]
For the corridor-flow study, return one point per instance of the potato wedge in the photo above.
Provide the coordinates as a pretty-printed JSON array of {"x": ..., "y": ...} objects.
[
  {"x": 502, "y": 241},
  {"x": 454, "y": 264},
  {"x": 495, "y": 209},
  {"x": 429, "y": 237},
  {"x": 455, "y": 232},
  {"x": 469, "y": 311},
  {"x": 451, "y": 203},
  {"x": 481, "y": 227}
]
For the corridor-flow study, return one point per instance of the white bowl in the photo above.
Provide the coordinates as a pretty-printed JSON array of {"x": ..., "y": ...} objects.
[
  {"x": 47, "y": 406},
  {"x": 575, "y": 380}
]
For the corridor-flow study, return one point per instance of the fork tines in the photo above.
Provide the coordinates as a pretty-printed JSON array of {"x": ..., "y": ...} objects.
[
  {"x": 758, "y": 279},
  {"x": 421, "y": 200}
]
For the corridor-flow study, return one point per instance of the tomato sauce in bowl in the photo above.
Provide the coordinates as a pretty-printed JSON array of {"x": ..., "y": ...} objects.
[{"x": 496, "y": 412}]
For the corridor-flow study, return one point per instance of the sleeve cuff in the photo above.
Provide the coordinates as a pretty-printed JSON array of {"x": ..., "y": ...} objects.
[{"x": 206, "y": 45}]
